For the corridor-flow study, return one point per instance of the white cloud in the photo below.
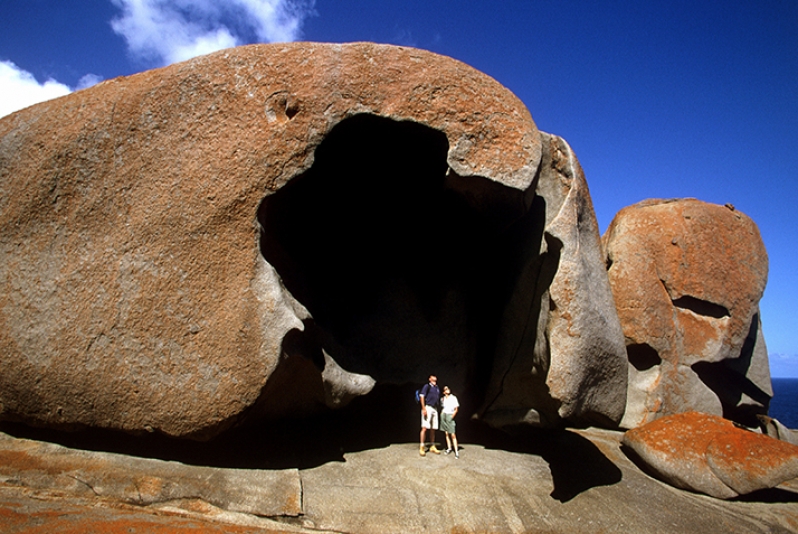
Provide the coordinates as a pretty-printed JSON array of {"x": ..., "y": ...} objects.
[
  {"x": 88, "y": 80},
  {"x": 20, "y": 89},
  {"x": 166, "y": 31}
]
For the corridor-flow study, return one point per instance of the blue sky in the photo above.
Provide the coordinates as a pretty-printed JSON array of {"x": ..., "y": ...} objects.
[{"x": 657, "y": 98}]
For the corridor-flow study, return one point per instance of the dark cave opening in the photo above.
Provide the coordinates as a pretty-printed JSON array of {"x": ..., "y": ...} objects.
[
  {"x": 701, "y": 307},
  {"x": 643, "y": 356},
  {"x": 402, "y": 264}
]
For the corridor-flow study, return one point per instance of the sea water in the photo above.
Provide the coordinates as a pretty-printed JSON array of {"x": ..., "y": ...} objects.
[{"x": 784, "y": 405}]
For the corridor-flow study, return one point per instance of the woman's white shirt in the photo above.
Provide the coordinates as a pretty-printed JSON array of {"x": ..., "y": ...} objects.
[{"x": 449, "y": 404}]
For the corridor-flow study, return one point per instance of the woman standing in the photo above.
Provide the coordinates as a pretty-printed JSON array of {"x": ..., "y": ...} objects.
[{"x": 450, "y": 407}]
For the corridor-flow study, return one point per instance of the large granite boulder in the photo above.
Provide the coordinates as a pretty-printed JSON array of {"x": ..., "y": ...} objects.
[
  {"x": 708, "y": 454},
  {"x": 277, "y": 229},
  {"x": 687, "y": 277}
]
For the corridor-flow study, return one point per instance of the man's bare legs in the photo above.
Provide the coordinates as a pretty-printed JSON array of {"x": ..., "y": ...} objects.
[{"x": 422, "y": 444}]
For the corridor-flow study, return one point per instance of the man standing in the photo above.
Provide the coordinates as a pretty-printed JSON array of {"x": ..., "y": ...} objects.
[{"x": 429, "y": 397}]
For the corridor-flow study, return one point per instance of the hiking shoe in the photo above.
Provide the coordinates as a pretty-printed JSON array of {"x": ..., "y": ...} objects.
[
  {"x": 421, "y": 451},
  {"x": 447, "y": 451},
  {"x": 434, "y": 450}
]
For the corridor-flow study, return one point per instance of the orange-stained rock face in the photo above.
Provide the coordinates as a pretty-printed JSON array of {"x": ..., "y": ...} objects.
[
  {"x": 133, "y": 293},
  {"x": 708, "y": 454},
  {"x": 275, "y": 229},
  {"x": 687, "y": 277}
]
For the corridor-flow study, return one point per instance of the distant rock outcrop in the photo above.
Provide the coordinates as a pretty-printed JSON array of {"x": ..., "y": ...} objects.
[
  {"x": 773, "y": 428},
  {"x": 687, "y": 277},
  {"x": 277, "y": 229},
  {"x": 708, "y": 454}
]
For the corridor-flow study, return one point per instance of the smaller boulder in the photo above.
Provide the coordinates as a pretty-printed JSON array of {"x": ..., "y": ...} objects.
[
  {"x": 687, "y": 277},
  {"x": 708, "y": 454}
]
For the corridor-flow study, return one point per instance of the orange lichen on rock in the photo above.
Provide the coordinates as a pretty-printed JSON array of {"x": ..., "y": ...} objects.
[{"x": 708, "y": 454}]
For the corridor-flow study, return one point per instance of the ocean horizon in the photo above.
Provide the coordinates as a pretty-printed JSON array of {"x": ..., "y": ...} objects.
[{"x": 784, "y": 405}]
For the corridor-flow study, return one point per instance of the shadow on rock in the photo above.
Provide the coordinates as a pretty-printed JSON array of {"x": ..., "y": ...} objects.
[
  {"x": 576, "y": 464},
  {"x": 371, "y": 422},
  {"x": 386, "y": 416}
]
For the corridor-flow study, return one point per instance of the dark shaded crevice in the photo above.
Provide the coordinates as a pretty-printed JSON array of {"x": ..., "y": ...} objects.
[
  {"x": 730, "y": 386},
  {"x": 547, "y": 406},
  {"x": 577, "y": 465},
  {"x": 291, "y": 109},
  {"x": 295, "y": 386},
  {"x": 728, "y": 380},
  {"x": 772, "y": 495},
  {"x": 742, "y": 364},
  {"x": 525, "y": 268},
  {"x": 642, "y": 356},
  {"x": 529, "y": 277},
  {"x": 701, "y": 307}
]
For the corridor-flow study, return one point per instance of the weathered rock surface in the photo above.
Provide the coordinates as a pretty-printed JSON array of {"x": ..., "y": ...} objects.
[
  {"x": 144, "y": 482},
  {"x": 708, "y": 454},
  {"x": 561, "y": 335},
  {"x": 279, "y": 228},
  {"x": 34, "y": 513},
  {"x": 569, "y": 482},
  {"x": 687, "y": 277}
]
